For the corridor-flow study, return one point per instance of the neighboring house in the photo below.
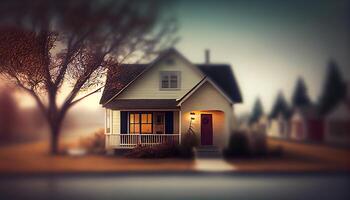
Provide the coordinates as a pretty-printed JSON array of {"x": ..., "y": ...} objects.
[
  {"x": 263, "y": 123},
  {"x": 279, "y": 126},
  {"x": 337, "y": 125},
  {"x": 306, "y": 124},
  {"x": 154, "y": 103}
]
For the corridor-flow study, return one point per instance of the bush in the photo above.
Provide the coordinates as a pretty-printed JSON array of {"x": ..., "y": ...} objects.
[
  {"x": 238, "y": 145},
  {"x": 250, "y": 144},
  {"x": 95, "y": 143},
  {"x": 258, "y": 143},
  {"x": 185, "y": 150},
  {"x": 157, "y": 151}
]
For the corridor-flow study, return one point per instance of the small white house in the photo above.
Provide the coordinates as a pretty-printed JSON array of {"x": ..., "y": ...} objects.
[
  {"x": 261, "y": 125},
  {"x": 337, "y": 125},
  {"x": 306, "y": 124},
  {"x": 279, "y": 126},
  {"x": 155, "y": 103}
]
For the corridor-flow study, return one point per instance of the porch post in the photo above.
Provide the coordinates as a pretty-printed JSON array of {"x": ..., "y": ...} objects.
[{"x": 180, "y": 127}]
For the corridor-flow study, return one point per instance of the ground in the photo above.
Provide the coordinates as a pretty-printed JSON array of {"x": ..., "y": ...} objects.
[{"x": 33, "y": 158}]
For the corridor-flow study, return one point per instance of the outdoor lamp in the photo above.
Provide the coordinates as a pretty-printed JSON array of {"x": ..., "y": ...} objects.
[{"x": 192, "y": 115}]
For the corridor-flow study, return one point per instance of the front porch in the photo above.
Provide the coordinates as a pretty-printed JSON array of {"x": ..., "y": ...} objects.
[{"x": 126, "y": 129}]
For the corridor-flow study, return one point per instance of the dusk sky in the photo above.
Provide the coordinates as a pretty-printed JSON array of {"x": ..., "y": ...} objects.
[{"x": 268, "y": 43}]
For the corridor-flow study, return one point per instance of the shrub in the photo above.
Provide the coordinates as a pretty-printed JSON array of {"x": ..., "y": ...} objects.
[
  {"x": 250, "y": 144},
  {"x": 171, "y": 150},
  {"x": 95, "y": 143},
  {"x": 156, "y": 151},
  {"x": 188, "y": 142},
  {"x": 258, "y": 143},
  {"x": 238, "y": 145}
]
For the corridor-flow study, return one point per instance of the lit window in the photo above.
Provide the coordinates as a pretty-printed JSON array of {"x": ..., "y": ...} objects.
[
  {"x": 170, "y": 80},
  {"x": 140, "y": 123}
]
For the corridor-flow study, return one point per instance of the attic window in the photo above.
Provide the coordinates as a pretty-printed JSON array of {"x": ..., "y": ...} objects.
[{"x": 170, "y": 80}]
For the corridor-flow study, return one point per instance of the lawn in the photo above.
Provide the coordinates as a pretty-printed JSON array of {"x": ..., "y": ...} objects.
[
  {"x": 297, "y": 157},
  {"x": 34, "y": 158}
]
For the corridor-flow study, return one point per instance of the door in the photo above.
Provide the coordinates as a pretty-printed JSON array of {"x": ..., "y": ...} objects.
[{"x": 206, "y": 129}]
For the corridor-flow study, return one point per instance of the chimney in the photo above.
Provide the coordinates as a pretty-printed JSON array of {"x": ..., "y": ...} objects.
[{"x": 207, "y": 56}]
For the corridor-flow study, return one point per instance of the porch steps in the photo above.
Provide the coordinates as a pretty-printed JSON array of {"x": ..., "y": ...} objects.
[{"x": 207, "y": 152}]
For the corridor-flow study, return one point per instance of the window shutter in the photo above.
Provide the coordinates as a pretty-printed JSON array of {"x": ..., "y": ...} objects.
[
  {"x": 123, "y": 122},
  {"x": 169, "y": 122}
]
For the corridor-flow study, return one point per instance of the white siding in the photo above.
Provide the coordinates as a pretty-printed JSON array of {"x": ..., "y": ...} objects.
[{"x": 147, "y": 86}]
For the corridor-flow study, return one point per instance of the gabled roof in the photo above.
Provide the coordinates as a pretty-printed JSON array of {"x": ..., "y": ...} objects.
[
  {"x": 223, "y": 76},
  {"x": 119, "y": 77}
]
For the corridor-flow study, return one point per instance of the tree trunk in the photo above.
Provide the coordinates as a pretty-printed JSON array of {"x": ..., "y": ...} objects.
[{"x": 54, "y": 140}]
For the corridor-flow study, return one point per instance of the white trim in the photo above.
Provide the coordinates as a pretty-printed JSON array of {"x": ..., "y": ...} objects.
[
  {"x": 207, "y": 79},
  {"x": 180, "y": 118}
]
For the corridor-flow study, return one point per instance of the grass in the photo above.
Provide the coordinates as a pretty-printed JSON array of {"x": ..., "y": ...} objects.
[{"x": 33, "y": 158}]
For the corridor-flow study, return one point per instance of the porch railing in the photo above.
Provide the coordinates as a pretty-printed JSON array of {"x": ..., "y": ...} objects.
[{"x": 132, "y": 140}]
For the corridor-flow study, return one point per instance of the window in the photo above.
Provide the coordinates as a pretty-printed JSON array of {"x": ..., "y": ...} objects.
[
  {"x": 108, "y": 121},
  {"x": 134, "y": 123},
  {"x": 146, "y": 123},
  {"x": 170, "y": 80},
  {"x": 140, "y": 123}
]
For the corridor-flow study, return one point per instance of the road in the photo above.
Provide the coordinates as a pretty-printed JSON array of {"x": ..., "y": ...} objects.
[{"x": 178, "y": 186}]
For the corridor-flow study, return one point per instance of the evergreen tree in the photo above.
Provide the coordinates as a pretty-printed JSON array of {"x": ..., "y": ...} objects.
[
  {"x": 334, "y": 89},
  {"x": 300, "y": 96},
  {"x": 257, "y": 112},
  {"x": 280, "y": 107}
]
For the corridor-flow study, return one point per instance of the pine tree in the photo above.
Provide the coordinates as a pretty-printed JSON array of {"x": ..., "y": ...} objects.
[
  {"x": 257, "y": 112},
  {"x": 334, "y": 89},
  {"x": 280, "y": 107},
  {"x": 300, "y": 96}
]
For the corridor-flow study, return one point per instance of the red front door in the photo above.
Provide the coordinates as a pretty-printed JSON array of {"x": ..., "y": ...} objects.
[{"x": 206, "y": 129}]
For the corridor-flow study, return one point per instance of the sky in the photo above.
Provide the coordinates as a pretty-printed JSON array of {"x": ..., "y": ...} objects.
[{"x": 268, "y": 43}]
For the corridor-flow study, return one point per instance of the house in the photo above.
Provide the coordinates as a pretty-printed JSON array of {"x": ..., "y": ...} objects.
[
  {"x": 155, "y": 103},
  {"x": 306, "y": 124},
  {"x": 337, "y": 125},
  {"x": 337, "y": 122},
  {"x": 263, "y": 123},
  {"x": 279, "y": 126}
]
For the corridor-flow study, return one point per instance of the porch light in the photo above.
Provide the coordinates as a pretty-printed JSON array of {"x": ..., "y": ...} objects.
[{"x": 192, "y": 114}]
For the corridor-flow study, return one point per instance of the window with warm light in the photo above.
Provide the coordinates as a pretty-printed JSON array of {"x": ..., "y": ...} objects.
[
  {"x": 140, "y": 123},
  {"x": 146, "y": 123}
]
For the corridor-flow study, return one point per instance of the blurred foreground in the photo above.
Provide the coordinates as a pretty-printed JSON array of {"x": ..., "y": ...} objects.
[{"x": 178, "y": 186}]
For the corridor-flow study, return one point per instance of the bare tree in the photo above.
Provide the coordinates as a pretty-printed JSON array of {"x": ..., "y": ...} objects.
[{"x": 45, "y": 44}]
